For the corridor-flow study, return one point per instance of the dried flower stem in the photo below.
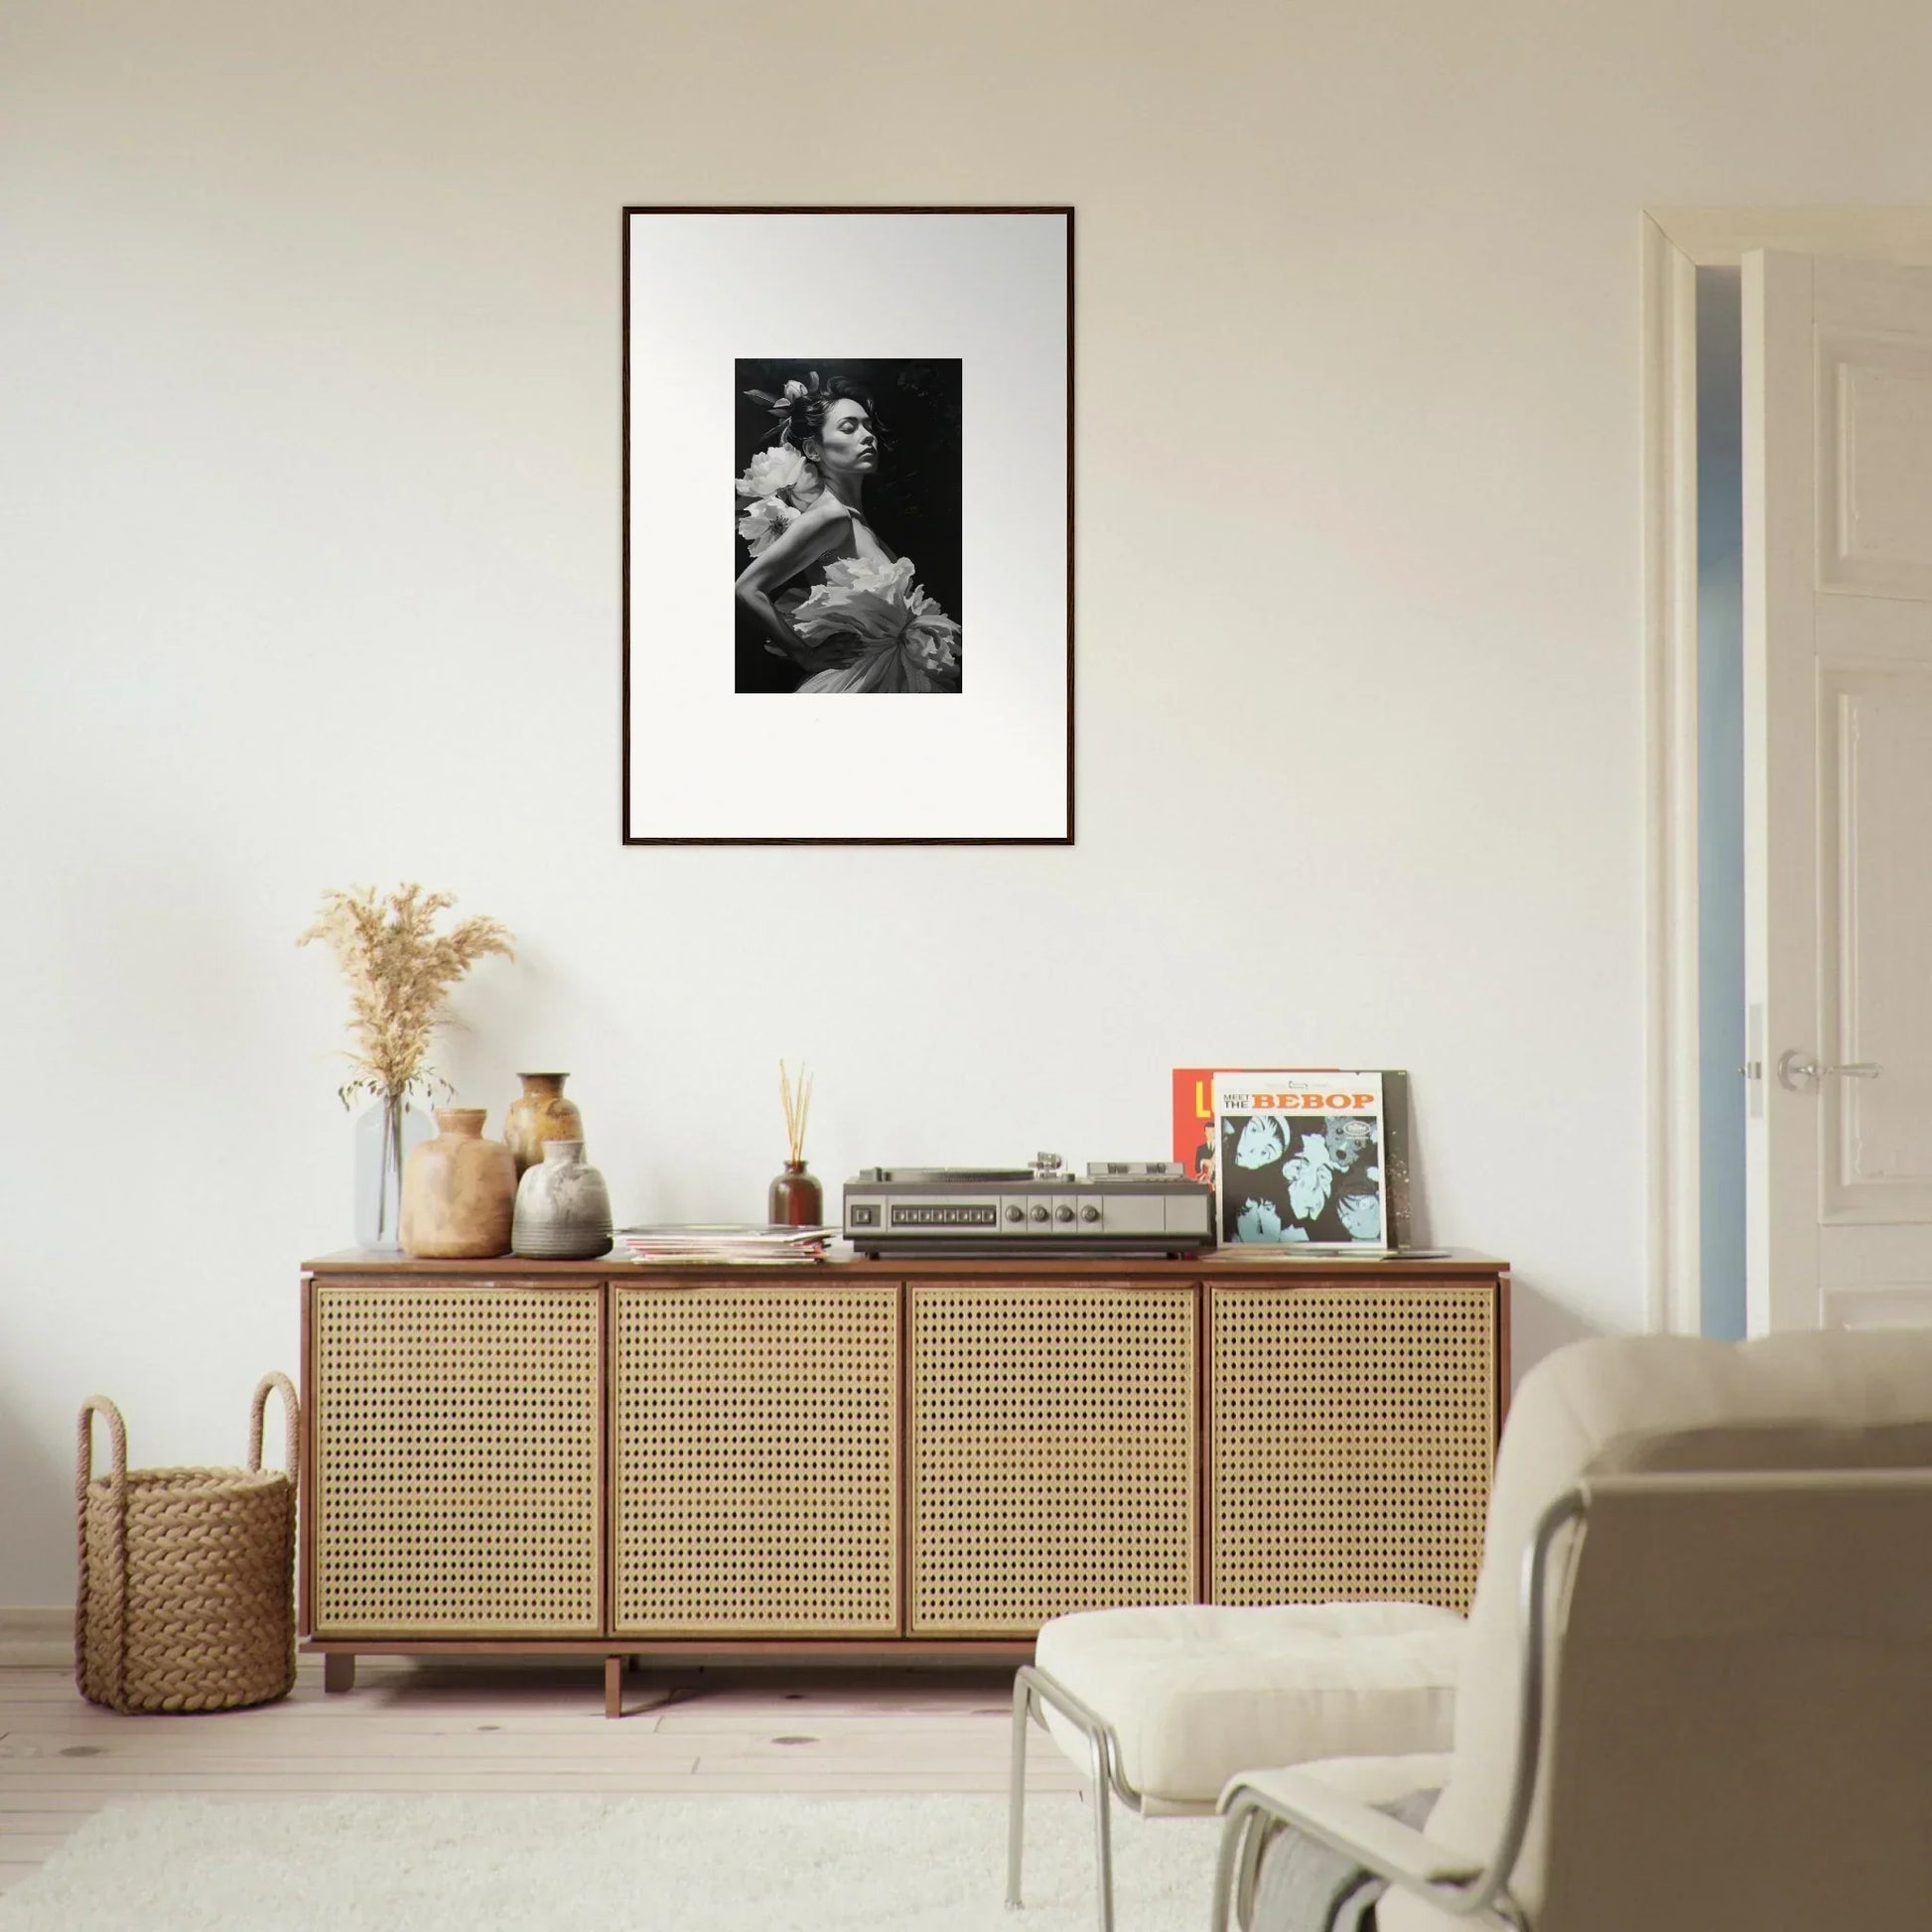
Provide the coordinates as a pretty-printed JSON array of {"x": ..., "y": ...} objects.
[
  {"x": 399, "y": 969},
  {"x": 797, "y": 1105}
]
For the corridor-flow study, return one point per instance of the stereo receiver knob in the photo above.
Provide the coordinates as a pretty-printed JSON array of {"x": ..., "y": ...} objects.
[
  {"x": 1089, "y": 1213},
  {"x": 1015, "y": 1212},
  {"x": 1063, "y": 1213},
  {"x": 1039, "y": 1214}
]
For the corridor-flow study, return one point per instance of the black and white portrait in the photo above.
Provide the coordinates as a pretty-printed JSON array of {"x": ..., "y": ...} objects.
[{"x": 847, "y": 507}]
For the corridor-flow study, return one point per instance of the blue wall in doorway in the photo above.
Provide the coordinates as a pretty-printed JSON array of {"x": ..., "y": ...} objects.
[{"x": 1720, "y": 799}]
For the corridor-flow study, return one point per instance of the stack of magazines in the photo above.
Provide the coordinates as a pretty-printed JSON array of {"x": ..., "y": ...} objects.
[{"x": 722, "y": 1241}]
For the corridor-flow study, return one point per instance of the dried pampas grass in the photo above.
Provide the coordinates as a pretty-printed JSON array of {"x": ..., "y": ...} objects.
[{"x": 399, "y": 969}]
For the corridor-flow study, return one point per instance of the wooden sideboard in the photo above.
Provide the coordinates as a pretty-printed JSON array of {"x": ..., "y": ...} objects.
[{"x": 878, "y": 1460}]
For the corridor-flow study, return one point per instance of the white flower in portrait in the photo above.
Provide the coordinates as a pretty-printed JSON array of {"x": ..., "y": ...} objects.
[
  {"x": 779, "y": 470},
  {"x": 764, "y": 523}
]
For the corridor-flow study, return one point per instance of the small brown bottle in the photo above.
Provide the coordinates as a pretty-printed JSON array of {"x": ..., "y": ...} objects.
[{"x": 796, "y": 1200}]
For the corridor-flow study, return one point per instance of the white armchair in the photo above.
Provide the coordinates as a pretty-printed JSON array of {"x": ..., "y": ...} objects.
[{"x": 1697, "y": 1691}]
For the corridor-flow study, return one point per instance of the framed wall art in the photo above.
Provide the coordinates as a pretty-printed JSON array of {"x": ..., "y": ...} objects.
[{"x": 848, "y": 474}]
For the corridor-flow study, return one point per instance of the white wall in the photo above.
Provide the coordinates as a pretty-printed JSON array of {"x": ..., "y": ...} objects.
[{"x": 308, "y": 444}]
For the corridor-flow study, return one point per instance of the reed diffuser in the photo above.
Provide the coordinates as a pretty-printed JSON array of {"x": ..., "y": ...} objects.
[{"x": 796, "y": 1200}]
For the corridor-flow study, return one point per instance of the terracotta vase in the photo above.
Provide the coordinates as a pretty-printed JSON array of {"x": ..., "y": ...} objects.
[
  {"x": 540, "y": 1113},
  {"x": 563, "y": 1208},
  {"x": 459, "y": 1192},
  {"x": 796, "y": 1200}
]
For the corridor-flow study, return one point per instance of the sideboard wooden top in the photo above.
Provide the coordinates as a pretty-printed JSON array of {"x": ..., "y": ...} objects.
[{"x": 1219, "y": 1265}]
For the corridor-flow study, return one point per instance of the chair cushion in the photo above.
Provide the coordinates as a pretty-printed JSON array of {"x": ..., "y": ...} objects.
[{"x": 1197, "y": 1692}]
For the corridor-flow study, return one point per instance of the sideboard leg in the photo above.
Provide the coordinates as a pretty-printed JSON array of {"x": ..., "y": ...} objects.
[
  {"x": 614, "y": 1686},
  {"x": 338, "y": 1670}
]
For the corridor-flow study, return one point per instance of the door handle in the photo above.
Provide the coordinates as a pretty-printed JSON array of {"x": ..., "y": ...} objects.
[{"x": 1800, "y": 1072}]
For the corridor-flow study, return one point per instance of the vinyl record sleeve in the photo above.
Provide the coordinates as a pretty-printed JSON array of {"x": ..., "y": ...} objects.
[{"x": 1196, "y": 1148}]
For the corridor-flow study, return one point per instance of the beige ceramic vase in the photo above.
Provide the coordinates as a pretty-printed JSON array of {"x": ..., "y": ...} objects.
[
  {"x": 459, "y": 1192},
  {"x": 540, "y": 1113}
]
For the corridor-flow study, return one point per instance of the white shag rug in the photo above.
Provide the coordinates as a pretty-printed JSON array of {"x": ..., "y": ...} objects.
[{"x": 634, "y": 1863}]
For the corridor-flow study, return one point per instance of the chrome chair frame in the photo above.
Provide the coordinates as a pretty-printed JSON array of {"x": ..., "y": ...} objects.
[
  {"x": 1031, "y": 1688},
  {"x": 1481, "y": 1896}
]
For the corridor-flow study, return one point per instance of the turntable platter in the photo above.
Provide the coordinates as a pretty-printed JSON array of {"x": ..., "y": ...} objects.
[{"x": 927, "y": 1177}]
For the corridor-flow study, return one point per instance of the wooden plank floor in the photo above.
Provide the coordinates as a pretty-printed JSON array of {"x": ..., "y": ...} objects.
[{"x": 412, "y": 1727}]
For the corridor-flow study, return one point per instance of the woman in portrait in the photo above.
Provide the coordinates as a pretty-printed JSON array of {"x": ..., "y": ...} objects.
[{"x": 824, "y": 589}]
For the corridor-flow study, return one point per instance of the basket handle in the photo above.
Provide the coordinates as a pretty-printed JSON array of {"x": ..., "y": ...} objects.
[
  {"x": 99, "y": 1405},
  {"x": 114, "y": 1633},
  {"x": 291, "y": 1414}
]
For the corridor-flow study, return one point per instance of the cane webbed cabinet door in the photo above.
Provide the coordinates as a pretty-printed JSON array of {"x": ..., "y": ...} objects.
[
  {"x": 1053, "y": 1434},
  {"x": 754, "y": 1432},
  {"x": 456, "y": 1458},
  {"x": 1351, "y": 1438}
]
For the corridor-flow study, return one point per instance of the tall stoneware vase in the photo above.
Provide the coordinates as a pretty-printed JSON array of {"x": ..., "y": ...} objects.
[
  {"x": 459, "y": 1192},
  {"x": 540, "y": 1113}
]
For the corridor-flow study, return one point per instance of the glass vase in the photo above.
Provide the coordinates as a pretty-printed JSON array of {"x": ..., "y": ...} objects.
[{"x": 384, "y": 1133}]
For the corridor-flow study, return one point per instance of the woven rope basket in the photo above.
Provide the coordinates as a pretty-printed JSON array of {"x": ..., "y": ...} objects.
[{"x": 185, "y": 1595}]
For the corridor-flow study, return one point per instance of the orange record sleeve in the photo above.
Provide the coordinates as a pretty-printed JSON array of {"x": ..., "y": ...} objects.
[{"x": 1193, "y": 1113}]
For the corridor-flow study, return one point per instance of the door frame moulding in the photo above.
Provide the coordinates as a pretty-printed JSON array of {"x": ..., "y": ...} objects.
[{"x": 1675, "y": 243}]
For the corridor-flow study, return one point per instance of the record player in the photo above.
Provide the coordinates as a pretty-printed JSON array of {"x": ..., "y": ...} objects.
[{"x": 1117, "y": 1208}]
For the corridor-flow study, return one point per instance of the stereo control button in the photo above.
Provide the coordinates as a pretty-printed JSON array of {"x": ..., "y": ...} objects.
[
  {"x": 1015, "y": 1212},
  {"x": 1039, "y": 1214},
  {"x": 1089, "y": 1212},
  {"x": 1063, "y": 1213}
]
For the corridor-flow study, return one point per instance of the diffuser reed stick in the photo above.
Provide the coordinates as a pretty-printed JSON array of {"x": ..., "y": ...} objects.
[{"x": 797, "y": 1100}]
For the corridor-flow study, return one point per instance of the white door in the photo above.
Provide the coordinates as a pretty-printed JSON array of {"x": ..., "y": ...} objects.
[{"x": 1838, "y": 775}]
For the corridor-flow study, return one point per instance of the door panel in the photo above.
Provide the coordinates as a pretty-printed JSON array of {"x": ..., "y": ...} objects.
[
  {"x": 1875, "y": 471},
  {"x": 1837, "y": 640},
  {"x": 1876, "y": 800}
]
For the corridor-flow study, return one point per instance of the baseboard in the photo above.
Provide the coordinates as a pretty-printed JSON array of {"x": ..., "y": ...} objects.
[{"x": 37, "y": 1640}]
